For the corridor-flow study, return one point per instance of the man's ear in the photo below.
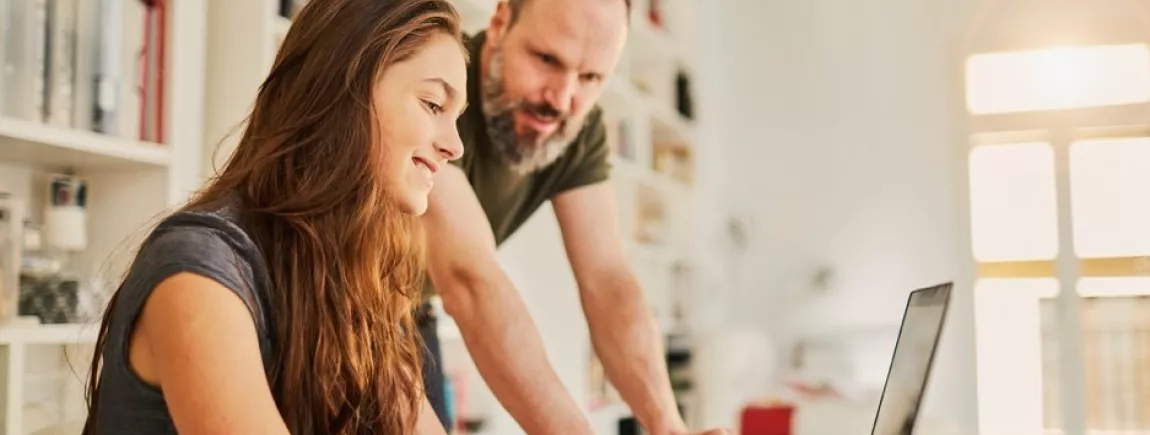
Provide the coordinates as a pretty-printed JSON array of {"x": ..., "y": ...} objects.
[{"x": 500, "y": 23}]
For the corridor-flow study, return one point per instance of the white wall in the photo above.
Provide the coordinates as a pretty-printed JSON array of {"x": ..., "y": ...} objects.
[{"x": 842, "y": 138}]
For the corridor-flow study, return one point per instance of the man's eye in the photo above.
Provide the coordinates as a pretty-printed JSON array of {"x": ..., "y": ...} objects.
[{"x": 548, "y": 59}]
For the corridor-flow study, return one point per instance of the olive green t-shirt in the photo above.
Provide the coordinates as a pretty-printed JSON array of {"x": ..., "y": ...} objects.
[{"x": 508, "y": 197}]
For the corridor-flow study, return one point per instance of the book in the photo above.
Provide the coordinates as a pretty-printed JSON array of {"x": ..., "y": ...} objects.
[
  {"x": 132, "y": 66},
  {"x": 60, "y": 56},
  {"x": 85, "y": 64},
  {"x": 152, "y": 75},
  {"x": 24, "y": 67},
  {"x": 5, "y": 37},
  {"x": 109, "y": 68},
  {"x": 93, "y": 65}
]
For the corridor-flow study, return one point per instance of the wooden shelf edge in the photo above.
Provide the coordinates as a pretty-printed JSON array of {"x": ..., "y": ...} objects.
[
  {"x": 75, "y": 333},
  {"x": 68, "y": 146}
]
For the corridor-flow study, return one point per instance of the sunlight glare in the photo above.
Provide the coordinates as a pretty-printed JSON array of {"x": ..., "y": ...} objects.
[{"x": 1058, "y": 78}]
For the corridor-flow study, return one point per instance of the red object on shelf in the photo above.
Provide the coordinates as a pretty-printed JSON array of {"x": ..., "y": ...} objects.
[
  {"x": 654, "y": 14},
  {"x": 766, "y": 420}
]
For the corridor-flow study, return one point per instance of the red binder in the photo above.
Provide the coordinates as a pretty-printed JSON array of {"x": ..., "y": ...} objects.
[{"x": 152, "y": 71}]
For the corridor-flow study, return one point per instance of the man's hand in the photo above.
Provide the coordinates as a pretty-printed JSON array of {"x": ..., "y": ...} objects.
[
  {"x": 717, "y": 432},
  {"x": 496, "y": 327}
]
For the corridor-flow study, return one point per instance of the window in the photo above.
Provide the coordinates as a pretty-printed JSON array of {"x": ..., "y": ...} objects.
[
  {"x": 1012, "y": 202},
  {"x": 1009, "y": 354},
  {"x": 1109, "y": 179},
  {"x": 1058, "y": 78},
  {"x": 1116, "y": 351},
  {"x": 1025, "y": 377}
]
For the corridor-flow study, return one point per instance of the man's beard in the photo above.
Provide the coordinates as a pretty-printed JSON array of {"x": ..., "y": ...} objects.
[{"x": 529, "y": 151}]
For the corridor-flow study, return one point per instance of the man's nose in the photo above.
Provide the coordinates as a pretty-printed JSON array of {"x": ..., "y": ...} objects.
[{"x": 561, "y": 92}]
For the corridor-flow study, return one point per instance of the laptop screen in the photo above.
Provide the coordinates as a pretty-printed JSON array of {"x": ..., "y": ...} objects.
[{"x": 910, "y": 366}]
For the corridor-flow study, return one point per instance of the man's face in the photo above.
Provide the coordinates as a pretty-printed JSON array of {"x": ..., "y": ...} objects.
[{"x": 544, "y": 73}]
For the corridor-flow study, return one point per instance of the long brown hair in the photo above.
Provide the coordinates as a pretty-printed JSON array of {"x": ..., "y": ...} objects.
[{"x": 344, "y": 265}]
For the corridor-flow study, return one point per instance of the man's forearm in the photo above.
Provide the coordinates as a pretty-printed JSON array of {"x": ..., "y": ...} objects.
[
  {"x": 627, "y": 341},
  {"x": 506, "y": 347}
]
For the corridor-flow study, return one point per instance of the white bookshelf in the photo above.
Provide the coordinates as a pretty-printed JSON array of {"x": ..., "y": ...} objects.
[{"x": 131, "y": 183}]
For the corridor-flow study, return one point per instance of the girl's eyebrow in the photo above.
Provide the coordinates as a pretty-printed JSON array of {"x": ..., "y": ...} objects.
[{"x": 451, "y": 92}]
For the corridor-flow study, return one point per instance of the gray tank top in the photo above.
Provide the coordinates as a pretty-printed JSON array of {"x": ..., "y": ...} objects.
[{"x": 208, "y": 243}]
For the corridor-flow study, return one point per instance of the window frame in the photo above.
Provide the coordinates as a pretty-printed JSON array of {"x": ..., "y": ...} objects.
[{"x": 1059, "y": 128}]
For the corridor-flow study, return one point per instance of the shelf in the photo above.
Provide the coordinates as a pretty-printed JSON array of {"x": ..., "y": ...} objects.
[
  {"x": 37, "y": 143},
  {"x": 632, "y": 171},
  {"x": 49, "y": 334},
  {"x": 670, "y": 126},
  {"x": 621, "y": 96}
]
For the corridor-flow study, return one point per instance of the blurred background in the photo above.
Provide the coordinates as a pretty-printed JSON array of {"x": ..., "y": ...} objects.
[{"x": 787, "y": 171}]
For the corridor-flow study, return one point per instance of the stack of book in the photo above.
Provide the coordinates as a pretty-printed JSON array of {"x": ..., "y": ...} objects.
[{"x": 95, "y": 65}]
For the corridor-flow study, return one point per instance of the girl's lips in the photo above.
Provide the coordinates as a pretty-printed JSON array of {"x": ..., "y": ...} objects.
[{"x": 427, "y": 163}]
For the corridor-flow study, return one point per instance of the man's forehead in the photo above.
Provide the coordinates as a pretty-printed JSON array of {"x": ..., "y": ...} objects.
[{"x": 591, "y": 25}]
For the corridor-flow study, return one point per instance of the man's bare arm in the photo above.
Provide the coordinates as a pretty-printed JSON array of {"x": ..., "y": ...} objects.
[
  {"x": 494, "y": 322},
  {"x": 623, "y": 330}
]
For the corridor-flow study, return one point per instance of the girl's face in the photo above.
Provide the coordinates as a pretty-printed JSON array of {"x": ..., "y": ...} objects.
[{"x": 416, "y": 103}]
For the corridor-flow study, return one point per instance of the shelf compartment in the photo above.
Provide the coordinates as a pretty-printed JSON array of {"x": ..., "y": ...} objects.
[
  {"x": 674, "y": 160},
  {"x": 669, "y": 126},
  {"x": 652, "y": 216}
]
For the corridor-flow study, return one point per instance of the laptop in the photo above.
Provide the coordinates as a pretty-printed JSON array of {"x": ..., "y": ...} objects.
[{"x": 914, "y": 351}]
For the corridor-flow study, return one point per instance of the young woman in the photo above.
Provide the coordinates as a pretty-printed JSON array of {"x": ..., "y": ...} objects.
[{"x": 280, "y": 299}]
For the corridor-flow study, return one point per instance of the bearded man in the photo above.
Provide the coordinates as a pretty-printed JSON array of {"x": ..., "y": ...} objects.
[{"x": 533, "y": 133}]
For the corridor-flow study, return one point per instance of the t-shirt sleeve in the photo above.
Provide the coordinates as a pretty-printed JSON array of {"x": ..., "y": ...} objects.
[
  {"x": 590, "y": 163},
  {"x": 193, "y": 248}
]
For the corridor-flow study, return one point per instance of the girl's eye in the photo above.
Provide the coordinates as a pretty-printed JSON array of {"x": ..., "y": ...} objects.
[{"x": 434, "y": 108}]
